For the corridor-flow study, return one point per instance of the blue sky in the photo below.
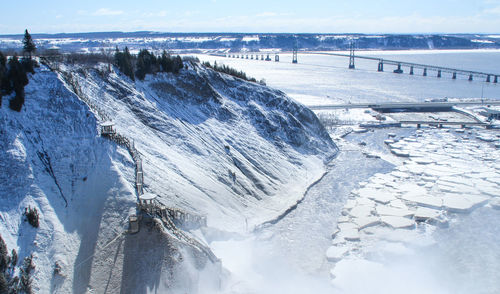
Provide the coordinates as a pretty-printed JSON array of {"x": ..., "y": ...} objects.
[{"x": 322, "y": 16}]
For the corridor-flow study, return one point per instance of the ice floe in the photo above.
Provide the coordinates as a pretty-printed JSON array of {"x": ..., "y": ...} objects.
[{"x": 442, "y": 175}]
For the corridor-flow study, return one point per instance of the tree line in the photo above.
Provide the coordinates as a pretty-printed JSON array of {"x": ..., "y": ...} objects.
[
  {"x": 146, "y": 63},
  {"x": 14, "y": 73},
  {"x": 231, "y": 71},
  {"x": 10, "y": 282}
]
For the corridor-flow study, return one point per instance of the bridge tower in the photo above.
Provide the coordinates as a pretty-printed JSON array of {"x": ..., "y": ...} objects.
[
  {"x": 495, "y": 80},
  {"x": 411, "y": 70},
  {"x": 380, "y": 65},
  {"x": 488, "y": 79},
  {"x": 425, "y": 72},
  {"x": 294, "y": 56},
  {"x": 454, "y": 76},
  {"x": 295, "y": 46},
  {"x": 439, "y": 74},
  {"x": 351, "y": 55},
  {"x": 276, "y": 58},
  {"x": 470, "y": 77}
]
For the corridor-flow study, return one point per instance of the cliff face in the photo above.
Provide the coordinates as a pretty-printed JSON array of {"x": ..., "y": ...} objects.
[{"x": 239, "y": 153}]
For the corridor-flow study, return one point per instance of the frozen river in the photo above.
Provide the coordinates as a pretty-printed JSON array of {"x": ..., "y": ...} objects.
[
  {"x": 450, "y": 176},
  {"x": 318, "y": 79}
]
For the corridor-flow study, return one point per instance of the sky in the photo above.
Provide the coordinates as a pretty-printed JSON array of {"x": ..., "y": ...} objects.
[{"x": 259, "y": 16}]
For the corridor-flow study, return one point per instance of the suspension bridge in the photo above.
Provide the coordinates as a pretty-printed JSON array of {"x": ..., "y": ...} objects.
[{"x": 400, "y": 66}]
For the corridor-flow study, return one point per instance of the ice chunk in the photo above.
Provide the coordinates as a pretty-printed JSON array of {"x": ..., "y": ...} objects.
[
  {"x": 456, "y": 188},
  {"x": 364, "y": 201},
  {"x": 398, "y": 204},
  {"x": 361, "y": 211},
  {"x": 422, "y": 200},
  {"x": 398, "y": 222},
  {"x": 360, "y": 130},
  {"x": 351, "y": 203},
  {"x": 458, "y": 203},
  {"x": 343, "y": 219},
  {"x": 366, "y": 221},
  {"x": 429, "y": 179},
  {"x": 489, "y": 190},
  {"x": 387, "y": 210},
  {"x": 347, "y": 226},
  {"x": 424, "y": 213},
  {"x": 335, "y": 253},
  {"x": 421, "y": 160},
  {"x": 400, "y": 174},
  {"x": 400, "y": 153},
  {"x": 351, "y": 235},
  {"x": 382, "y": 196},
  {"x": 413, "y": 189}
]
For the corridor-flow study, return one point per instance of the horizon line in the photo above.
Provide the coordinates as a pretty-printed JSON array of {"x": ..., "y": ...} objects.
[{"x": 244, "y": 33}]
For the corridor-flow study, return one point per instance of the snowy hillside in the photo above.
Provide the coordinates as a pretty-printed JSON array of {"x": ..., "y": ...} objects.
[
  {"x": 54, "y": 161},
  {"x": 239, "y": 153},
  {"x": 211, "y": 144}
]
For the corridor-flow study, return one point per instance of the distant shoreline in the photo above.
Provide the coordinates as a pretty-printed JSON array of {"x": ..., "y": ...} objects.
[{"x": 236, "y": 42}]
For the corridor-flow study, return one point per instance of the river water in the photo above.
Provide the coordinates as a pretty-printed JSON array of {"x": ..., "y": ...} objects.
[
  {"x": 318, "y": 79},
  {"x": 289, "y": 257}
]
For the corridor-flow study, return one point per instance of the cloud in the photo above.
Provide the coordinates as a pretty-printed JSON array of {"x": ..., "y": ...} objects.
[
  {"x": 161, "y": 13},
  {"x": 107, "y": 12},
  {"x": 493, "y": 10},
  {"x": 267, "y": 14}
]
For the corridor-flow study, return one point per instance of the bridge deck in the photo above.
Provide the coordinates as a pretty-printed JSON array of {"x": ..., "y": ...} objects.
[
  {"x": 455, "y": 123},
  {"x": 402, "y": 105},
  {"x": 409, "y": 64}
]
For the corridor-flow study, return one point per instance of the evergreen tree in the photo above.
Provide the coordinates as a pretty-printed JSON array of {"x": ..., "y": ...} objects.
[
  {"x": 4, "y": 256},
  {"x": 26, "y": 279},
  {"x": 3, "y": 60},
  {"x": 124, "y": 62},
  {"x": 146, "y": 64},
  {"x": 128, "y": 66},
  {"x": 178, "y": 65},
  {"x": 166, "y": 62},
  {"x": 13, "y": 258},
  {"x": 28, "y": 44},
  {"x": 18, "y": 79},
  {"x": 4, "y": 285},
  {"x": 5, "y": 84},
  {"x": 3, "y": 74}
]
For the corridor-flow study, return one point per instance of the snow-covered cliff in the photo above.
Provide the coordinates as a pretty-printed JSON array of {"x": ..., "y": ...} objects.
[{"x": 239, "y": 153}]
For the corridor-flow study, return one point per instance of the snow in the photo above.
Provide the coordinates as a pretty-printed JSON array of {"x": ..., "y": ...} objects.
[
  {"x": 181, "y": 126},
  {"x": 148, "y": 196},
  {"x": 495, "y": 203},
  {"x": 55, "y": 131},
  {"x": 335, "y": 253}
]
